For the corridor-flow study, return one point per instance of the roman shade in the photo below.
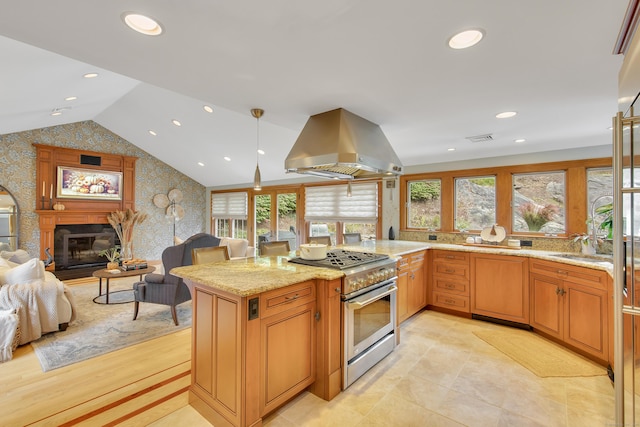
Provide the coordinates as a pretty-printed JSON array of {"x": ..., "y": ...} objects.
[
  {"x": 331, "y": 203},
  {"x": 229, "y": 205}
]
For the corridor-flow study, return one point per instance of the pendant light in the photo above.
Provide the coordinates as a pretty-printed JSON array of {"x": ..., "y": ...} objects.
[
  {"x": 257, "y": 184},
  {"x": 348, "y": 188}
]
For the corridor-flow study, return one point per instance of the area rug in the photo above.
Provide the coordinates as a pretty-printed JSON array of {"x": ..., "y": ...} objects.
[
  {"x": 541, "y": 356},
  {"x": 102, "y": 328}
]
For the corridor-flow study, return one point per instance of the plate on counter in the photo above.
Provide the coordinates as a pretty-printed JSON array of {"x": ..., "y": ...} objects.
[{"x": 494, "y": 233}]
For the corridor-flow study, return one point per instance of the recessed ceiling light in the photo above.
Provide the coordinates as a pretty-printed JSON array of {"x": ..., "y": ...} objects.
[
  {"x": 152, "y": 132},
  {"x": 56, "y": 112},
  {"x": 90, "y": 75},
  {"x": 71, "y": 98},
  {"x": 465, "y": 39},
  {"x": 176, "y": 122},
  {"x": 200, "y": 164},
  {"x": 520, "y": 140},
  {"x": 142, "y": 24},
  {"x": 208, "y": 109},
  {"x": 451, "y": 149},
  {"x": 261, "y": 152},
  {"x": 506, "y": 115},
  {"x": 228, "y": 159}
]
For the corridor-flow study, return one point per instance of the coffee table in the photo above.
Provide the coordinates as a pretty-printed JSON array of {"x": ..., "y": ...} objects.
[{"x": 104, "y": 274}]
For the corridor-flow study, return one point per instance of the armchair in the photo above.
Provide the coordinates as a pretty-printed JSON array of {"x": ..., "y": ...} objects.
[{"x": 166, "y": 288}]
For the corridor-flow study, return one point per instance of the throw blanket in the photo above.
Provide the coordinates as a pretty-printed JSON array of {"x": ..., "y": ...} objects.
[{"x": 36, "y": 305}]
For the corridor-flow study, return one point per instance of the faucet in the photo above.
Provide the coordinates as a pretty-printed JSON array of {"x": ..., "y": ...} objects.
[{"x": 594, "y": 238}]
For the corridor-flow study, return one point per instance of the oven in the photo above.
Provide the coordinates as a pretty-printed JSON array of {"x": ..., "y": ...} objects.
[
  {"x": 368, "y": 296},
  {"x": 369, "y": 321}
]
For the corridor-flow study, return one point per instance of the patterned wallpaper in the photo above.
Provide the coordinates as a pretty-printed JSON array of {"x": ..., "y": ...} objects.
[{"x": 17, "y": 162}]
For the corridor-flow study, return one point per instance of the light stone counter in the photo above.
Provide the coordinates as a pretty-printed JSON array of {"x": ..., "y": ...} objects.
[
  {"x": 250, "y": 276},
  {"x": 401, "y": 247}
]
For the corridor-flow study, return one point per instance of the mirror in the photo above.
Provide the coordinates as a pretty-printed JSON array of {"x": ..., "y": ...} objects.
[{"x": 8, "y": 221}]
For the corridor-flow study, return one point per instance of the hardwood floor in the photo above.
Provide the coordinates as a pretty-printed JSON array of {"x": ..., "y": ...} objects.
[{"x": 133, "y": 386}]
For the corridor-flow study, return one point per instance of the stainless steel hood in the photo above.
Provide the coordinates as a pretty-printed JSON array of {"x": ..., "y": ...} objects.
[{"x": 340, "y": 144}]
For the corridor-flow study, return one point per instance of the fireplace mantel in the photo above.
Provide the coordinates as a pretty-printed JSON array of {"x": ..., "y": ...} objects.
[{"x": 78, "y": 211}]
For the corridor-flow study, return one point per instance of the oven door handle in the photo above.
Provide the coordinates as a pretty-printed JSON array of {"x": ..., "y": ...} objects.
[{"x": 389, "y": 291}]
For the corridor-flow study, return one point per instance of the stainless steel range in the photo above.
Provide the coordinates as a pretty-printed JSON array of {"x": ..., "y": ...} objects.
[{"x": 368, "y": 307}]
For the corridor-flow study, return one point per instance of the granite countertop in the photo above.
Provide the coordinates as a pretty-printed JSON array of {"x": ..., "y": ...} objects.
[{"x": 250, "y": 276}]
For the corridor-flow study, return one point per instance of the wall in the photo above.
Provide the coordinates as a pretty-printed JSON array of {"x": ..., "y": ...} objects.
[{"x": 17, "y": 162}]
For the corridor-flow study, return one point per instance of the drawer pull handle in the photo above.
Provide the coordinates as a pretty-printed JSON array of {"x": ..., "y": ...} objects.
[
  {"x": 450, "y": 301},
  {"x": 562, "y": 272},
  {"x": 450, "y": 257},
  {"x": 450, "y": 286},
  {"x": 293, "y": 298},
  {"x": 449, "y": 270}
]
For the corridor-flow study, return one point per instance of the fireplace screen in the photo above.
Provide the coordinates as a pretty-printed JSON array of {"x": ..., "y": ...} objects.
[{"x": 79, "y": 246}]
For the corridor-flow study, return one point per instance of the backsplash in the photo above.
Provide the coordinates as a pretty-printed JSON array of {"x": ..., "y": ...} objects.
[
  {"x": 555, "y": 244},
  {"x": 17, "y": 162}
]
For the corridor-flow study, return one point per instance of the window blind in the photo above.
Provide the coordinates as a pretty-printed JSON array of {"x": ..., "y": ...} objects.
[
  {"x": 229, "y": 205},
  {"x": 330, "y": 203}
]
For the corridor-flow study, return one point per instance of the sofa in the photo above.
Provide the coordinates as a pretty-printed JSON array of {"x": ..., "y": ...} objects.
[{"x": 41, "y": 302}]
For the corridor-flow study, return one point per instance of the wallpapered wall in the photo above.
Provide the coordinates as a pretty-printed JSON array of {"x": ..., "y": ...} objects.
[{"x": 17, "y": 163}]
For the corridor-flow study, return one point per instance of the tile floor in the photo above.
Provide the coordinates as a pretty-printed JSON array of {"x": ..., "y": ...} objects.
[{"x": 443, "y": 375}]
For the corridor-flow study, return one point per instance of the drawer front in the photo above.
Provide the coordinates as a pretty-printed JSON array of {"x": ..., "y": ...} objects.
[
  {"x": 575, "y": 274},
  {"x": 451, "y": 286},
  {"x": 451, "y": 301},
  {"x": 416, "y": 259},
  {"x": 279, "y": 300},
  {"x": 458, "y": 271},
  {"x": 450, "y": 257}
]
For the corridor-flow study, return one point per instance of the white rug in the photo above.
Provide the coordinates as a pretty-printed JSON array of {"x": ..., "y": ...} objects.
[{"x": 101, "y": 328}]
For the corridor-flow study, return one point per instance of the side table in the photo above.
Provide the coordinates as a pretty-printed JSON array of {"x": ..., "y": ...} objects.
[{"x": 104, "y": 274}]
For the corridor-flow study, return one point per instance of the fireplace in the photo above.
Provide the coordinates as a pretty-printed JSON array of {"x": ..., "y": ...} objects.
[{"x": 77, "y": 247}]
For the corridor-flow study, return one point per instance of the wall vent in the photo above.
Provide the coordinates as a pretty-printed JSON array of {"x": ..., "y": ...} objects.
[{"x": 480, "y": 138}]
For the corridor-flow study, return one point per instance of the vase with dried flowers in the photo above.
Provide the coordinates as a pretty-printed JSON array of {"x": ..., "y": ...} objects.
[
  {"x": 113, "y": 255},
  {"x": 124, "y": 222}
]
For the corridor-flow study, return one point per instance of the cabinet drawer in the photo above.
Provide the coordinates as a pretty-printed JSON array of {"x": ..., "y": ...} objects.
[
  {"x": 451, "y": 286},
  {"x": 451, "y": 301},
  {"x": 278, "y": 300},
  {"x": 416, "y": 259},
  {"x": 573, "y": 273},
  {"x": 458, "y": 271},
  {"x": 450, "y": 257}
]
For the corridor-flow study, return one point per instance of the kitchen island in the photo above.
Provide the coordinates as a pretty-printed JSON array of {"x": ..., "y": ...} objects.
[{"x": 263, "y": 331}]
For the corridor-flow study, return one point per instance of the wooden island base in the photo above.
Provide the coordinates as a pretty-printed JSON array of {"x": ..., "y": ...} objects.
[{"x": 252, "y": 354}]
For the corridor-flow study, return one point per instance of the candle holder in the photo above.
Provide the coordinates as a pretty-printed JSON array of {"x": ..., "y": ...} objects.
[
  {"x": 50, "y": 203},
  {"x": 42, "y": 202}
]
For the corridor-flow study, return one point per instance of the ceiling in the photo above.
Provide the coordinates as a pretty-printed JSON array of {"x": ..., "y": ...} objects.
[{"x": 388, "y": 62}]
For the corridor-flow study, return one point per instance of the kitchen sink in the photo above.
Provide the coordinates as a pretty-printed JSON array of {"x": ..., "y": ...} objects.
[{"x": 600, "y": 259}]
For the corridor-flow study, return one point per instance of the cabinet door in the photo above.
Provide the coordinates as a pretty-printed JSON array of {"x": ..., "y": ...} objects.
[
  {"x": 586, "y": 323},
  {"x": 417, "y": 299},
  {"x": 500, "y": 287},
  {"x": 288, "y": 351},
  {"x": 546, "y": 304},
  {"x": 402, "y": 283}
]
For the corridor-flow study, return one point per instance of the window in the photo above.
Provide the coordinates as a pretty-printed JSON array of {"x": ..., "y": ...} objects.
[
  {"x": 229, "y": 214},
  {"x": 539, "y": 202},
  {"x": 329, "y": 209},
  {"x": 475, "y": 200},
  {"x": 424, "y": 204}
]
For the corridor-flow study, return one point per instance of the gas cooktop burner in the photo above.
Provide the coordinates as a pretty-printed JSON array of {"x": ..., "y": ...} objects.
[{"x": 341, "y": 259}]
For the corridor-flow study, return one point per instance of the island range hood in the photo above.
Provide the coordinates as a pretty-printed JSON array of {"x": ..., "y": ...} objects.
[{"x": 339, "y": 144}]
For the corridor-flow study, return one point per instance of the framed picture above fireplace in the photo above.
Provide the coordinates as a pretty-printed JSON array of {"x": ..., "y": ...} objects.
[{"x": 75, "y": 183}]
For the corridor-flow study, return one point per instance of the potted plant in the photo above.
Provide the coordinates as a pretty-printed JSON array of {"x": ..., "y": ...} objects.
[
  {"x": 113, "y": 255},
  {"x": 606, "y": 211}
]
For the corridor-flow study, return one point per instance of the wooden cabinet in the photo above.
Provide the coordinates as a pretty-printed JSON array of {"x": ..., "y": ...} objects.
[
  {"x": 411, "y": 283},
  {"x": 570, "y": 303},
  {"x": 450, "y": 278},
  {"x": 288, "y": 342},
  {"x": 252, "y": 354},
  {"x": 500, "y": 287}
]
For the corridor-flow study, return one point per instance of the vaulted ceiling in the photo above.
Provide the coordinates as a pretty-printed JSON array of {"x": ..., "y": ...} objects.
[{"x": 389, "y": 62}]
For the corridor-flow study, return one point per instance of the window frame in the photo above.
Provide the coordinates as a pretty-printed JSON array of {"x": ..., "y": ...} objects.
[
  {"x": 575, "y": 187},
  {"x": 408, "y": 204}
]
